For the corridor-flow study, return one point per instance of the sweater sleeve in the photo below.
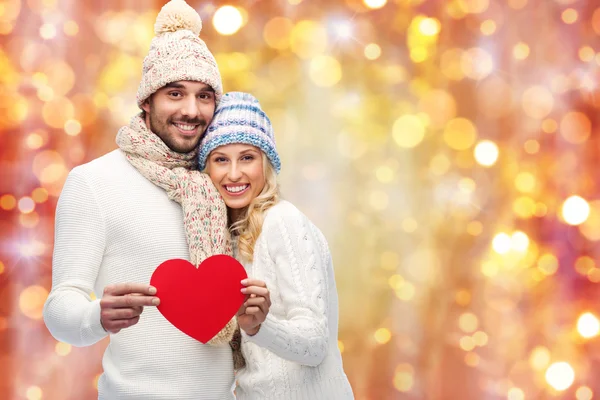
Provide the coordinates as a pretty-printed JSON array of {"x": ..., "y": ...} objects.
[
  {"x": 301, "y": 278},
  {"x": 69, "y": 312}
]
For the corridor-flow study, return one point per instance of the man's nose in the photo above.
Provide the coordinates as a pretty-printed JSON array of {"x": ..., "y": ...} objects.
[{"x": 189, "y": 108}]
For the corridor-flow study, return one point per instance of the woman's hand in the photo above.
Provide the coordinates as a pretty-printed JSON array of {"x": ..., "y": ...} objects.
[{"x": 256, "y": 307}]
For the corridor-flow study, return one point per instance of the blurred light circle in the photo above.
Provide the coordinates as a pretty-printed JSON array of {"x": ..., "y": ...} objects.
[
  {"x": 537, "y": 102},
  {"x": 486, "y": 153},
  {"x": 560, "y": 376},
  {"x": 408, "y": 131},
  {"x": 501, "y": 243},
  {"x": 439, "y": 105},
  {"x": 575, "y": 210},
  {"x": 575, "y": 127},
  {"x": 590, "y": 228},
  {"x": 308, "y": 39},
  {"x": 460, "y": 134},
  {"x": 227, "y": 20},
  {"x": 57, "y": 112},
  {"x": 588, "y": 325},
  {"x": 477, "y": 63},
  {"x": 375, "y": 4},
  {"x": 325, "y": 71},
  {"x": 277, "y": 32},
  {"x": 31, "y": 301}
]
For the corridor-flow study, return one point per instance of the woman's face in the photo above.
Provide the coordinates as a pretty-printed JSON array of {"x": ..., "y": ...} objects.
[{"x": 237, "y": 172}]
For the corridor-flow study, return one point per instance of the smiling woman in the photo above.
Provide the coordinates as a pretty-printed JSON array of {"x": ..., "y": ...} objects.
[{"x": 280, "y": 246}]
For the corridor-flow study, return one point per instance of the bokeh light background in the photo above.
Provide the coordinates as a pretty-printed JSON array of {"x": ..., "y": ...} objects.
[{"x": 449, "y": 150}]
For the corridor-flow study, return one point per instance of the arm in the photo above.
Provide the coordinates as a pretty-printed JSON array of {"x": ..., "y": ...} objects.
[
  {"x": 69, "y": 312},
  {"x": 302, "y": 336}
]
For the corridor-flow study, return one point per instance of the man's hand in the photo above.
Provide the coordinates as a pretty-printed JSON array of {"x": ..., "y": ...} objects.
[
  {"x": 122, "y": 304},
  {"x": 256, "y": 307}
]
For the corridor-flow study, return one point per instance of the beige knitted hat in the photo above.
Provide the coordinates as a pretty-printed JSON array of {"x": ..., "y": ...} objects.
[{"x": 177, "y": 53}]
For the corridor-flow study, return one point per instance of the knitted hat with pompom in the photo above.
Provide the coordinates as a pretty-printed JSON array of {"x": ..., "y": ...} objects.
[{"x": 177, "y": 53}]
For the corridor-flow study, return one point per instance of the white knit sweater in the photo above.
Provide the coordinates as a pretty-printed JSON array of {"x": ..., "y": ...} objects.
[
  {"x": 294, "y": 355},
  {"x": 114, "y": 226}
]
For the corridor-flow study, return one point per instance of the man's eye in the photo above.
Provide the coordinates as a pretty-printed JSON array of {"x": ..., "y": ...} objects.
[{"x": 175, "y": 94}]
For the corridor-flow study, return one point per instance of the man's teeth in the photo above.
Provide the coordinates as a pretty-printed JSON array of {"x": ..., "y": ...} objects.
[
  {"x": 236, "y": 189},
  {"x": 186, "y": 127}
]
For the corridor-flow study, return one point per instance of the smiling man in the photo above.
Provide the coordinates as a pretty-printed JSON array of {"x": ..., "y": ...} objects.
[
  {"x": 179, "y": 112},
  {"x": 122, "y": 215}
]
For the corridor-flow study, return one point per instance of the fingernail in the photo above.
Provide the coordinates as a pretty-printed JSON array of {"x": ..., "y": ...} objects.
[
  {"x": 243, "y": 290},
  {"x": 152, "y": 290},
  {"x": 155, "y": 302},
  {"x": 244, "y": 281}
]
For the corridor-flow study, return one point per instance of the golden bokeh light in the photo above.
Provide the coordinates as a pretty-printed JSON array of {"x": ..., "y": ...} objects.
[
  {"x": 382, "y": 335},
  {"x": 584, "y": 393},
  {"x": 404, "y": 377},
  {"x": 575, "y": 127},
  {"x": 439, "y": 106},
  {"x": 325, "y": 71},
  {"x": 277, "y": 32},
  {"x": 560, "y": 375},
  {"x": 486, "y": 153},
  {"x": 502, "y": 243},
  {"x": 468, "y": 322},
  {"x": 537, "y": 102},
  {"x": 372, "y": 51},
  {"x": 575, "y": 210},
  {"x": 460, "y": 134},
  {"x": 31, "y": 301},
  {"x": 539, "y": 358},
  {"x": 408, "y": 131},
  {"x": 588, "y": 325},
  {"x": 375, "y": 4},
  {"x": 515, "y": 393},
  {"x": 8, "y": 202},
  {"x": 548, "y": 264},
  {"x": 488, "y": 27},
  {"x": 227, "y": 20},
  {"x": 570, "y": 16},
  {"x": 308, "y": 39}
]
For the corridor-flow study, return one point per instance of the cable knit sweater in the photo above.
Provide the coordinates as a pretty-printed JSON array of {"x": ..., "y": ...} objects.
[
  {"x": 115, "y": 226},
  {"x": 294, "y": 355}
]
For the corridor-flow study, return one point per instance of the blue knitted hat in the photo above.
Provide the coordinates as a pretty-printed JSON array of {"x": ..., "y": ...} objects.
[{"x": 239, "y": 119}]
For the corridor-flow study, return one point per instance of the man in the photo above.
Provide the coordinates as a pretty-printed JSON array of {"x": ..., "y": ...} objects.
[{"x": 120, "y": 216}]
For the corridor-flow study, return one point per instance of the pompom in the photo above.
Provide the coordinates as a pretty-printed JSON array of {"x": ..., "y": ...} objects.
[{"x": 177, "y": 15}]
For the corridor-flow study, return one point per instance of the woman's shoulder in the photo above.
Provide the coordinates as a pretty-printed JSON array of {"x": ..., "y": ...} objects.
[{"x": 284, "y": 210}]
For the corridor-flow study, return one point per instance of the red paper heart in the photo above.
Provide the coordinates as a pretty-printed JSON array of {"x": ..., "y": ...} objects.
[{"x": 199, "y": 302}]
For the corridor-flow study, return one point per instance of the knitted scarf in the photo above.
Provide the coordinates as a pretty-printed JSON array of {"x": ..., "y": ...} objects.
[{"x": 204, "y": 212}]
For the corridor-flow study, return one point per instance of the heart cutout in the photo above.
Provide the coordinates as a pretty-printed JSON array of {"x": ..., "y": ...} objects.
[{"x": 199, "y": 301}]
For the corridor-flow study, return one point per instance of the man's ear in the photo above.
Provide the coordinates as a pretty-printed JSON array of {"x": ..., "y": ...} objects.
[{"x": 146, "y": 105}]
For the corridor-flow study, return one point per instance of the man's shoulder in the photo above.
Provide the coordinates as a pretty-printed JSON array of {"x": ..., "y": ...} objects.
[{"x": 102, "y": 165}]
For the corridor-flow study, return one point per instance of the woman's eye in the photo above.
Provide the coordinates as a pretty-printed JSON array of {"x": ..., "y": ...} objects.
[{"x": 248, "y": 158}]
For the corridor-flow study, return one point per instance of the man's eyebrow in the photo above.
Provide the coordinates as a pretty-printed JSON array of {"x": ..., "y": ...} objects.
[{"x": 175, "y": 85}]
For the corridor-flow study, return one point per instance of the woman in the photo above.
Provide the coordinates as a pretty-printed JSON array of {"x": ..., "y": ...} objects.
[{"x": 293, "y": 354}]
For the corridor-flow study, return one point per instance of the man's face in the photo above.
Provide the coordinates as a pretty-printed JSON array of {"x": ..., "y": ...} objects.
[{"x": 179, "y": 113}]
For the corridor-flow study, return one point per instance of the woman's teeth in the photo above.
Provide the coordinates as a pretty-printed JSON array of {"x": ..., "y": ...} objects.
[{"x": 235, "y": 189}]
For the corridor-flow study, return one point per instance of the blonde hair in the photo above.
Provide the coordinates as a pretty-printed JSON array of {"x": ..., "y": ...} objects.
[{"x": 249, "y": 227}]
